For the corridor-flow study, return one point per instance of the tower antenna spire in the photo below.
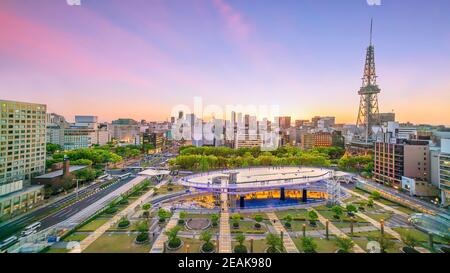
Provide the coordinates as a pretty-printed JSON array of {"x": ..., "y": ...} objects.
[{"x": 371, "y": 30}]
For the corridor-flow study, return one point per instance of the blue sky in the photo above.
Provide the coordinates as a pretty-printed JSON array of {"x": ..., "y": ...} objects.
[{"x": 140, "y": 59}]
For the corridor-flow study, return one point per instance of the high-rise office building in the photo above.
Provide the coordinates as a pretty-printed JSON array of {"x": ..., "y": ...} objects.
[
  {"x": 22, "y": 140},
  {"x": 404, "y": 164},
  {"x": 22, "y": 154},
  {"x": 125, "y": 130}
]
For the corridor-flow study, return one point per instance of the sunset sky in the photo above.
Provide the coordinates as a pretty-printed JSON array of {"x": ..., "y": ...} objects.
[{"x": 139, "y": 58}]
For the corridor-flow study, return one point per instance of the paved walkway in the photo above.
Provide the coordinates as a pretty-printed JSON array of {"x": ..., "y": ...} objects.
[
  {"x": 388, "y": 208},
  {"x": 111, "y": 222},
  {"x": 334, "y": 230},
  {"x": 287, "y": 240},
  {"x": 224, "y": 225},
  {"x": 158, "y": 245}
]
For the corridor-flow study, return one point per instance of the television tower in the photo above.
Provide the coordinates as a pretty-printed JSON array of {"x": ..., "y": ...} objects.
[{"x": 368, "y": 115}]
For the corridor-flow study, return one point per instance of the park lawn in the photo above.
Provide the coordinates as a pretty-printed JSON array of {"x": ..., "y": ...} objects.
[
  {"x": 372, "y": 234},
  {"x": 132, "y": 227},
  {"x": 344, "y": 218},
  {"x": 378, "y": 216},
  {"x": 248, "y": 227},
  {"x": 197, "y": 215},
  {"x": 249, "y": 215},
  {"x": 93, "y": 225},
  {"x": 361, "y": 241},
  {"x": 259, "y": 246},
  {"x": 322, "y": 208},
  {"x": 194, "y": 246},
  {"x": 117, "y": 243},
  {"x": 341, "y": 225},
  {"x": 353, "y": 199},
  {"x": 296, "y": 214},
  {"x": 405, "y": 209},
  {"x": 387, "y": 202},
  {"x": 420, "y": 235},
  {"x": 77, "y": 236},
  {"x": 323, "y": 245},
  {"x": 298, "y": 226}
]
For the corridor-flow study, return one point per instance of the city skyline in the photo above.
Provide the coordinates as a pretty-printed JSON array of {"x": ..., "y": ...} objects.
[{"x": 246, "y": 54}]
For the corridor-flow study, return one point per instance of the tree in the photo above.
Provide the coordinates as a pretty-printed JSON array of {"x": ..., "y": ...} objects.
[
  {"x": 288, "y": 218},
  {"x": 52, "y": 148},
  {"x": 370, "y": 203},
  {"x": 308, "y": 245},
  {"x": 206, "y": 237},
  {"x": 351, "y": 209},
  {"x": 146, "y": 207},
  {"x": 259, "y": 218},
  {"x": 183, "y": 216},
  {"x": 236, "y": 218},
  {"x": 142, "y": 226},
  {"x": 375, "y": 195},
  {"x": 86, "y": 174},
  {"x": 344, "y": 244},
  {"x": 214, "y": 219},
  {"x": 313, "y": 217},
  {"x": 409, "y": 240},
  {"x": 163, "y": 214},
  {"x": 273, "y": 242},
  {"x": 338, "y": 211},
  {"x": 240, "y": 248},
  {"x": 384, "y": 242},
  {"x": 172, "y": 235}
]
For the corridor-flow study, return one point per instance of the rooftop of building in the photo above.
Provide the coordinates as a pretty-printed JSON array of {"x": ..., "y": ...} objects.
[
  {"x": 21, "y": 192},
  {"x": 60, "y": 172}
]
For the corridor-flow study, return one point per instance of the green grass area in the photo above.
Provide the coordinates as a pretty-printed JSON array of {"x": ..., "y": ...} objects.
[
  {"x": 341, "y": 225},
  {"x": 379, "y": 216},
  {"x": 259, "y": 246},
  {"x": 372, "y": 234},
  {"x": 76, "y": 237},
  {"x": 344, "y": 218},
  {"x": 197, "y": 215},
  {"x": 420, "y": 235},
  {"x": 117, "y": 243},
  {"x": 93, "y": 225},
  {"x": 296, "y": 214},
  {"x": 323, "y": 245},
  {"x": 405, "y": 209},
  {"x": 298, "y": 226},
  {"x": 194, "y": 246},
  {"x": 322, "y": 208},
  {"x": 248, "y": 227}
]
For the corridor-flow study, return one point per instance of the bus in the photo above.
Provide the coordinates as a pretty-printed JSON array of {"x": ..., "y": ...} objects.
[
  {"x": 32, "y": 227},
  {"x": 101, "y": 177},
  {"x": 124, "y": 176},
  {"x": 8, "y": 242}
]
